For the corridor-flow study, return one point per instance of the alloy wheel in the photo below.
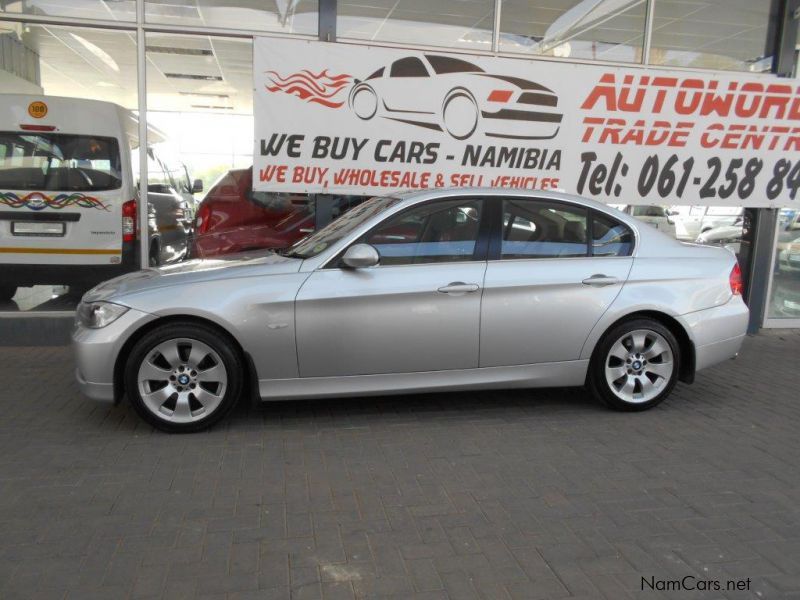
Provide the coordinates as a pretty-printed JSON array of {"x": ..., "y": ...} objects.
[
  {"x": 182, "y": 380},
  {"x": 639, "y": 366}
]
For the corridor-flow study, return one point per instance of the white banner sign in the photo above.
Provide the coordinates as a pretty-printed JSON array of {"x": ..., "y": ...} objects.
[{"x": 339, "y": 118}]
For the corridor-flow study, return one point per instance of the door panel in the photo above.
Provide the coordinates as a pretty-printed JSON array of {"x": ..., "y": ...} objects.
[
  {"x": 389, "y": 319},
  {"x": 537, "y": 311}
]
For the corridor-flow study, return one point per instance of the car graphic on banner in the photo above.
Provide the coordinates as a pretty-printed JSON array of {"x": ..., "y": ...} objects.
[{"x": 447, "y": 94}]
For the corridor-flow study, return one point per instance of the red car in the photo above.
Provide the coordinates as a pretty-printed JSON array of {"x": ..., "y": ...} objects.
[{"x": 233, "y": 218}]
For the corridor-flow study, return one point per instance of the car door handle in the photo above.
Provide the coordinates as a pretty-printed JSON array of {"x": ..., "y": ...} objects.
[
  {"x": 600, "y": 280},
  {"x": 459, "y": 287}
]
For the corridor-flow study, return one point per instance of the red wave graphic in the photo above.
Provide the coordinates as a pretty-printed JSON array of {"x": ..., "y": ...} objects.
[{"x": 306, "y": 85}]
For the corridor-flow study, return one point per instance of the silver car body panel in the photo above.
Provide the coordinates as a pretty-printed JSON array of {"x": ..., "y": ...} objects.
[
  {"x": 388, "y": 320},
  {"x": 314, "y": 329},
  {"x": 556, "y": 374},
  {"x": 540, "y": 310}
]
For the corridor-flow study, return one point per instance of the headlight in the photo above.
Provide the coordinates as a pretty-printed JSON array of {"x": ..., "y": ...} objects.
[{"x": 99, "y": 314}]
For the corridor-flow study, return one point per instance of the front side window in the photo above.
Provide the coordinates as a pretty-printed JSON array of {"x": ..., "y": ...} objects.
[
  {"x": 542, "y": 229},
  {"x": 443, "y": 231},
  {"x": 341, "y": 227},
  {"x": 610, "y": 237},
  {"x": 59, "y": 162}
]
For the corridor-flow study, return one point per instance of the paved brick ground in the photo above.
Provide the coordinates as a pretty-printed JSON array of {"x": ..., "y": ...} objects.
[{"x": 483, "y": 495}]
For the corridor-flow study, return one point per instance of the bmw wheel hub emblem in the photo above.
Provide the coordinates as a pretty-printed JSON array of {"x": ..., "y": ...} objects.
[{"x": 183, "y": 379}]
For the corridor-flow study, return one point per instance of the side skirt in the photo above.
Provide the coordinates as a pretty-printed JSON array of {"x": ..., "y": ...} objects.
[{"x": 555, "y": 374}]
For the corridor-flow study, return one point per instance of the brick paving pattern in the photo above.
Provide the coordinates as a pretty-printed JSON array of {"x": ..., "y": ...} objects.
[{"x": 492, "y": 495}]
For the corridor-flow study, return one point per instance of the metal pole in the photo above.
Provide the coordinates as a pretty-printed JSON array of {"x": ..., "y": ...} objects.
[
  {"x": 648, "y": 31},
  {"x": 327, "y": 20},
  {"x": 498, "y": 5},
  {"x": 141, "y": 70},
  {"x": 766, "y": 219}
]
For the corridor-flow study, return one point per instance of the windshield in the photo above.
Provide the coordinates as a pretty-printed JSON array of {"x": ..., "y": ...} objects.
[
  {"x": 336, "y": 230},
  {"x": 56, "y": 162}
]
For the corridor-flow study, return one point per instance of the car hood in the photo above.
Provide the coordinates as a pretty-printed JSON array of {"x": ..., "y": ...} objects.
[{"x": 247, "y": 264}]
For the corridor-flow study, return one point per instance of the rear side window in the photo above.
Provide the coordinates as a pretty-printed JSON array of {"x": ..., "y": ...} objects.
[
  {"x": 610, "y": 237},
  {"x": 447, "y": 64},
  {"x": 408, "y": 67},
  {"x": 543, "y": 229},
  {"x": 59, "y": 162}
]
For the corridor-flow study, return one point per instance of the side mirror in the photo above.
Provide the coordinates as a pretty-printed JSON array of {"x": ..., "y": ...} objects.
[
  {"x": 197, "y": 186},
  {"x": 359, "y": 256}
]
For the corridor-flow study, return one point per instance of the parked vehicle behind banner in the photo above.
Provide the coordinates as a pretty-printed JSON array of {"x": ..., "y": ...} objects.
[
  {"x": 657, "y": 216},
  {"x": 691, "y": 221},
  {"x": 233, "y": 218},
  {"x": 68, "y": 197},
  {"x": 727, "y": 236}
]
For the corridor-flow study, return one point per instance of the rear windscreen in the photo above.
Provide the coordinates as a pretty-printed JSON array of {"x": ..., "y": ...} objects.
[{"x": 58, "y": 162}]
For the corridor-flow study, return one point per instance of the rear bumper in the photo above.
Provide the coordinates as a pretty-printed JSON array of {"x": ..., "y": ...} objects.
[
  {"x": 86, "y": 275},
  {"x": 718, "y": 332},
  {"x": 24, "y": 275}
]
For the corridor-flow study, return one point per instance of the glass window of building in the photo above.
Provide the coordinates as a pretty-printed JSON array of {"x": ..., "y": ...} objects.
[
  {"x": 450, "y": 23},
  {"x": 63, "y": 159},
  {"x": 712, "y": 34},
  {"x": 784, "y": 302},
  {"x": 119, "y": 10},
  {"x": 297, "y": 16},
  {"x": 609, "y": 30}
]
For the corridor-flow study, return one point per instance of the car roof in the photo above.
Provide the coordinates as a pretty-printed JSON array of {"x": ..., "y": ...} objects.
[{"x": 558, "y": 196}]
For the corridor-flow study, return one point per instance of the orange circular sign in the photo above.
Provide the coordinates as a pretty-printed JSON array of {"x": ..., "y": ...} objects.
[{"x": 37, "y": 109}]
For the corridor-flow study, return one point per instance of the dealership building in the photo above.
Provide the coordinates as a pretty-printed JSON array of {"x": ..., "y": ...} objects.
[{"x": 198, "y": 70}]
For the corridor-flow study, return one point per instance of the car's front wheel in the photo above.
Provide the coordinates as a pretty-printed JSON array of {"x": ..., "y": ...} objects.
[
  {"x": 183, "y": 377},
  {"x": 460, "y": 113},
  {"x": 635, "y": 365}
]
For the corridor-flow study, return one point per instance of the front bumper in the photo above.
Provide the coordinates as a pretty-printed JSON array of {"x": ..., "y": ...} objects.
[
  {"x": 96, "y": 352},
  {"x": 718, "y": 332},
  {"x": 522, "y": 124}
]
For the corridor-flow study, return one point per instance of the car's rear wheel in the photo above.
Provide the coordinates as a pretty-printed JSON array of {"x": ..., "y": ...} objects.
[
  {"x": 7, "y": 292},
  {"x": 460, "y": 114},
  {"x": 635, "y": 365},
  {"x": 183, "y": 377},
  {"x": 364, "y": 102}
]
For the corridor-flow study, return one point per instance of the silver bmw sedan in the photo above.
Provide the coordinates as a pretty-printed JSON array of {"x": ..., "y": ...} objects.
[{"x": 438, "y": 290}]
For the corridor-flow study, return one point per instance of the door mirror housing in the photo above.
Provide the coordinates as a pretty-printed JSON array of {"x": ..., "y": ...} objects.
[
  {"x": 360, "y": 256},
  {"x": 197, "y": 186}
]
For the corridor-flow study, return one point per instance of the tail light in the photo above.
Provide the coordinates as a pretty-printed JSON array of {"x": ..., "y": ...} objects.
[
  {"x": 129, "y": 221},
  {"x": 27, "y": 127},
  {"x": 735, "y": 279},
  {"x": 202, "y": 219}
]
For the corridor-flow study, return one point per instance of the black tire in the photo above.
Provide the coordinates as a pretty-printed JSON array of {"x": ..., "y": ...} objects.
[
  {"x": 154, "y": 256},
  {"x": 360, "y": 91},
  {"x": 219, "y": 342},
  {"x": 598, "y": 382},
  {"x": 7, "y": 292}
]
